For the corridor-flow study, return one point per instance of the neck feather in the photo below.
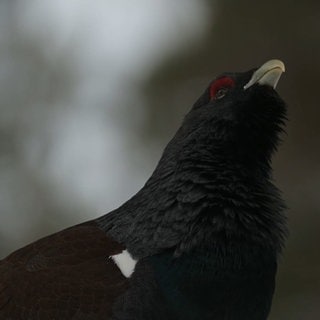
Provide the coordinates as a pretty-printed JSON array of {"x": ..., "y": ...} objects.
[{"x": 194, "y": 204}]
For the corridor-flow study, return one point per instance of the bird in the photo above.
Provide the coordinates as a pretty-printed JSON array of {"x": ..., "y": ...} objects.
[{"x": 200, "y": 240}]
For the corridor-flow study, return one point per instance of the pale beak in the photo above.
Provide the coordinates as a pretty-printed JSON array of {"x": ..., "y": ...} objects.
[{"x": 268, "y": 74}]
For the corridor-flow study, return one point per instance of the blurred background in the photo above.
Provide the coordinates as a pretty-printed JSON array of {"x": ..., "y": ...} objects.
[{"x": 91, "y": 91}]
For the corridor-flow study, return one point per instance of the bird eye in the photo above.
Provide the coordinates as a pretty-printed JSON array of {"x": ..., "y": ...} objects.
[
  {"x": 221, "y": 93},
  {"x": 220, "y": 87}
]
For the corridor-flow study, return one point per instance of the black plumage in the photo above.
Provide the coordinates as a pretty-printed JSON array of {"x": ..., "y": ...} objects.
[{"x": 200, "y": 240}]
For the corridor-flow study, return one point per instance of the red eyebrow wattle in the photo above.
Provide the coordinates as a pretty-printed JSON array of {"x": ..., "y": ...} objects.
[{"x": 224, "y": 82}]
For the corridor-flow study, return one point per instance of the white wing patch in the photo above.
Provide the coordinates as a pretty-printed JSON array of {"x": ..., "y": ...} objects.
[{"x": 125, "y": 263}]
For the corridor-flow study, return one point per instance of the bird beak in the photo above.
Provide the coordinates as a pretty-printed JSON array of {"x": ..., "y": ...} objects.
[{"x": 268, "y": 74}]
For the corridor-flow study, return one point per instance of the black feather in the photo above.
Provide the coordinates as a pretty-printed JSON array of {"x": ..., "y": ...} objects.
[{"x": 207, "y": 229}]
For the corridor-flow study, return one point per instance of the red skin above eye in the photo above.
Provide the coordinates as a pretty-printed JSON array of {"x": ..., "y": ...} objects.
[{"x": 220, "y": 83}]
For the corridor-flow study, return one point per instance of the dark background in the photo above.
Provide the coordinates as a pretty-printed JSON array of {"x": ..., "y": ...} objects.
[{"x": 91, "y": 91}]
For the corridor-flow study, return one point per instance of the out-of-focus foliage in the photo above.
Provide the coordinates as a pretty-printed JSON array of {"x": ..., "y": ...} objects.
[
  {"x": 70, "y": 74},
  {"x": 37, "y": 89}
]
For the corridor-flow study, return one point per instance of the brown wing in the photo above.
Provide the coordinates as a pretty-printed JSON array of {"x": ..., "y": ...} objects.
[{"x": 67, "y": 275}]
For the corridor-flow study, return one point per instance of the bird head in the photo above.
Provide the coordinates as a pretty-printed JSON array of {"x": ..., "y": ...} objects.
[{"x": 238, "y": 117}]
